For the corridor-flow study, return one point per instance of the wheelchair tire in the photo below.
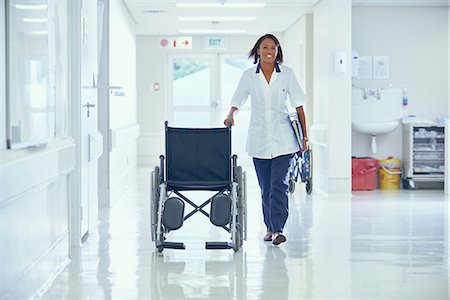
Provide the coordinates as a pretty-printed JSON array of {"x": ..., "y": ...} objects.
[
  {"x": 154, "y": 200},
  {"x": 240, "y": 203},
  {"x": 291, "y": 185},
  {"x": 308, "y": 185},
  {"x": 239, "y": 236},
  {"x": 310, "y": 173},
  {"x": 160, "y": 249}
]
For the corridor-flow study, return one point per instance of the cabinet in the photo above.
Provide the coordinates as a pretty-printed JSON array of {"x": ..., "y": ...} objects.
[{"x": 423, "y": 154}]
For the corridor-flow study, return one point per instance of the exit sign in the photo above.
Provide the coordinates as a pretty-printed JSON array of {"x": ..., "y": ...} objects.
[{"x": 214, "y": 42}]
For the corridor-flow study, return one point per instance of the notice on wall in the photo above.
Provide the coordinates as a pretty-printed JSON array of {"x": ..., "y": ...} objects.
[
  {"x": 365, "y": 67},
  {"x": 381, "y": 67},
  {"x": 176, "y": 42}
]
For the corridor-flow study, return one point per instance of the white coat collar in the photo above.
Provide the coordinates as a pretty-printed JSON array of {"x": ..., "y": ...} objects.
[
  {"x": 273, "y": 78},
  {"x": 278, "y": 69}
]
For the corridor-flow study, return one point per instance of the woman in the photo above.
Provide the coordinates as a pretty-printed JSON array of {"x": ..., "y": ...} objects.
[{"x": 270, "y": 140}]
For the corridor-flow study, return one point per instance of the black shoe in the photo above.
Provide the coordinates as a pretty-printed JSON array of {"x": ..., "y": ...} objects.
[
  {"x": 279, "y": 238},
  {"x": 268, "y": 236}
]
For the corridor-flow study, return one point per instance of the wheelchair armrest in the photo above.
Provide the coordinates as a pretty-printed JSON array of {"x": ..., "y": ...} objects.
[
  {"x": 234, "y": 157},
  {"x": 161, "y": 168}
]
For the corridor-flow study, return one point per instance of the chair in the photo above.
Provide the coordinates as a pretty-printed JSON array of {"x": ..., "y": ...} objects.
[{"x": 198, "y": 159}]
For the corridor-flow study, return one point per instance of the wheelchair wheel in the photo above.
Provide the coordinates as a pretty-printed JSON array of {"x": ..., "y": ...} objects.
[
  {"x": 408, "y": 184},
  {"x": 309, "y": 173},
  {"x": 291, "y": 185},
  {"x": 240, "y": 209},
  {"x": 238, "y": 242},
  {"x": 154, "y": 201},
  {"x": 308, "y": 185},
  {"x": 161, "y": 238}
]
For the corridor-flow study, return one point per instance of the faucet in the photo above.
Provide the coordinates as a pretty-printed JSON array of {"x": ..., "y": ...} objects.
[
  {"x": 372, "y": 92},
  {"x": 378, "y": 93}
]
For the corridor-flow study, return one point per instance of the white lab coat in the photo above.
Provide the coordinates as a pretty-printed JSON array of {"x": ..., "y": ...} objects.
[{"x": 270, "y": 133}]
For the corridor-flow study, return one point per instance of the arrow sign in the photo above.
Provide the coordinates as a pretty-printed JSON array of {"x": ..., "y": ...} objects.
[{"x": 177, "y": 42}]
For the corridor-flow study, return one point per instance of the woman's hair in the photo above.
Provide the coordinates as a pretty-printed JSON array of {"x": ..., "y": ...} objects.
[{"x": 254, "y": 52}]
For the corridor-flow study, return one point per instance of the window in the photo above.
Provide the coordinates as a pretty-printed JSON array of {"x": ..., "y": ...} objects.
[{"x": 36, "y": 55}]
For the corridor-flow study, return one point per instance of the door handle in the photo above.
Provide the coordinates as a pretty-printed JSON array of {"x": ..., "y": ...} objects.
[{"x": 88, "y": 105}]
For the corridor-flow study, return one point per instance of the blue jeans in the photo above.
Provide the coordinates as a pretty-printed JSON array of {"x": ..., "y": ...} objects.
[{"x": 273, "y": 178}]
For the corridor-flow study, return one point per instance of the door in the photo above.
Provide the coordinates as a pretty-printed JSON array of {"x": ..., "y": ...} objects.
[
  {"x": 201, "y": 91},
  {"x": 193, "y": 95},
  {"x": 231, "y": 68},
  {"x": 91, "y": 140}
]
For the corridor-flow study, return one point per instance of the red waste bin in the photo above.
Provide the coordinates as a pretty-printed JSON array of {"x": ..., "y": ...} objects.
[{"x": 364, "y": 174}]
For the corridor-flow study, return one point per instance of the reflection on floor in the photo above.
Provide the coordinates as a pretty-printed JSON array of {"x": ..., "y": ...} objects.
[{"x": 369, "y": 245}]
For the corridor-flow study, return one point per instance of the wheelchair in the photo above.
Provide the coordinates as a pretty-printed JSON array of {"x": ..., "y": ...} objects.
[
  {"x": 198, "y": 159},
  {"x": 301, "y": 166}
]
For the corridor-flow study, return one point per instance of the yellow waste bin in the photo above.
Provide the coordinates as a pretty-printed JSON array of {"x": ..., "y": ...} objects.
[{"x": 389, "y": 173}]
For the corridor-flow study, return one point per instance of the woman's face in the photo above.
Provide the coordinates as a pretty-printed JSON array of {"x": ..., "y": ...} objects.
[{"x": 268, "y": 51}]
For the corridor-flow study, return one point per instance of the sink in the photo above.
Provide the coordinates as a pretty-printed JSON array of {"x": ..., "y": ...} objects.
[{"x": 375, "y": 127}]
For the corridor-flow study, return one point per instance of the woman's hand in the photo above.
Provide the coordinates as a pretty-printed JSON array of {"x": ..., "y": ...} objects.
[
  {"x": 305, "y": 145},
  {"x": 229, "y": 119}
]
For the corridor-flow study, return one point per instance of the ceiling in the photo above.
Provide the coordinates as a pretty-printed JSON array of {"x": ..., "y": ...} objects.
[{"x": 162, "y": 17}]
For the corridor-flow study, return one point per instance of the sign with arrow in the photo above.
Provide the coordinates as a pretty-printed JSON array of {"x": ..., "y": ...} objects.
[{"x": 176, "y": 42}]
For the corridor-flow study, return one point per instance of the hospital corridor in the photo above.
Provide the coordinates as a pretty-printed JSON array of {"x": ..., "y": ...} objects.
[
  {"x": 337, "y": 248},
  {"x": 224, "y": 149}
]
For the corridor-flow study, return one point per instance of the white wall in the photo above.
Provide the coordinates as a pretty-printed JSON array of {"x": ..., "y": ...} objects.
[
  {"x": 447, "y": 155},
  {"x": 331, "y": 131},
  {"x": 152, "y": 66},
  {"x": 122, "y": 65},
  {"x": 2, "y": 85},
  {"x": 416, "y": 39},
  {"x": 298, "y": 54},
  {"x": 447, "y": 152},
  {"x": 122, "y": 110},
  {"x": 34, "y": 199},
  {"x": 34, "y": 236}
]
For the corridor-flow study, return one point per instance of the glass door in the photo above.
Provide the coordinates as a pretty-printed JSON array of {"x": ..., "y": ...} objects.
[
  {"x": 202, "y": 87},
  {"x": 231, "y": 68},
  {"x": 192, "y": 93}
]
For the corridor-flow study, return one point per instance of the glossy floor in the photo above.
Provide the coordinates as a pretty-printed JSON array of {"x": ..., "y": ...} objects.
[{"x": 369, "y": 245}]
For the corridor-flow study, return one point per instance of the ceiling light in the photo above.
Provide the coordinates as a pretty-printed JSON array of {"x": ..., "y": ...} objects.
[
  {"x": 219, "y": 19},
  {"x": 31, "y": 6},
  {"x": 40, "y": 32},
  {"x": 213, "y": 31},
  {"x": 154, "y": 11},
  {"x": 219, "y": 5},
  {"x": 35, "y": 20}
]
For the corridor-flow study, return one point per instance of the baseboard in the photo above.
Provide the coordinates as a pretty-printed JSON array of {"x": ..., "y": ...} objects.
[{"x": 326, "y": 185}]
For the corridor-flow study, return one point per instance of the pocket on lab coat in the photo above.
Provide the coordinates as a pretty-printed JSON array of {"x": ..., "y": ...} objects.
[{"x": 282, "y": 94}]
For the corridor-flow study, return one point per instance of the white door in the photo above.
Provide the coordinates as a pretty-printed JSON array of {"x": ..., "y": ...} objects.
[
  {"x": 201, "y": 90},
  {"x": 91, "y": 140}
]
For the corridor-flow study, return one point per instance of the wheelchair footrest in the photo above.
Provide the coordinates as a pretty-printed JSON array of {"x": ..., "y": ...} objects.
[
  {"x": 173, "y": 245},
  {"x": 218, "y": 245}
]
